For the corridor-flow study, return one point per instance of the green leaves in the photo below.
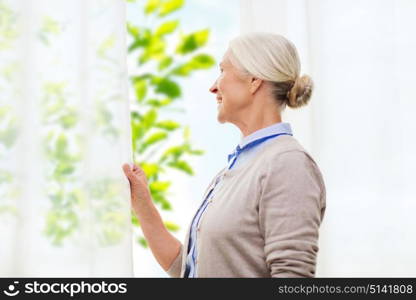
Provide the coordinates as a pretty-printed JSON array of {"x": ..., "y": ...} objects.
[
  {"x": 170, "y": 6},
  {"x": 49, "y": 28},
  {"x": 5, "y": 176},
  {"x": 58, "y": 230},
  {"x": 163, "y": 55},
  {"x": 155, "y": 137},
  {"x": 69, "y": 119},
  {"x": 152, "y": 139},
  {"x": 202, "y": 61},
  {"x": 133, "y": 30},
  {"x": 159, "y": 103},
  {"x": 149, "y": 119},
  {"x": 63, "y": 150},
  {"x": 63, "y": 169},
  {"x": 137, "y": 133},
  {"x": 182, "y": 165},
  {"x": 8, "y": 136},
  {"x": 140, "y": 86},
  {"x": 167, "y": 87},
  {"x": 174, "y": 153},
  {"x": 162, "y": 7},
  {"x": 61, "y": 147},
  {"x": 154, "y": 50},
  {"x": 198, "y": 62},
  {"x": 142, "y": 242},
  {"x": 167, "y": 27},
  {"x": 159, "y": 186},
  {"x": 108, "y": 43},
  {"x": 161, "y": 85},
  {"x": 171, "y": 226},
  {"x": 165, "y": 62},
  {"x": 158, "y": 191},
  {"x": 142, "y": 38},
  {"x": 192, "y": 42},
  {"x": 151, "y": 6},
  {"x": 168, "y": 125},
  {"x": 150, "y": 169}
]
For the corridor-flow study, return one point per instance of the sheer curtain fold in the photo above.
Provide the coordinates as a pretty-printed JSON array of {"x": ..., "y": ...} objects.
[
  {"x": 64, "y": 134},
  {"x": 359, "y": 124}
]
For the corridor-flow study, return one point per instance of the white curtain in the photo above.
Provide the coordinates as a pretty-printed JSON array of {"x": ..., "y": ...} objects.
[
  {"x": 360, "y": 124},
  {"x": 64, "y": 134}
]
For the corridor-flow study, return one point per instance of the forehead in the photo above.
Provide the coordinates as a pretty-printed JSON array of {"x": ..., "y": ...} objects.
[{"x": 225, "y": 59}]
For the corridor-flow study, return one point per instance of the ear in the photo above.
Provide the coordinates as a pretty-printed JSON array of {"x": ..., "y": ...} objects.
[{"x": 255, "y": 84}]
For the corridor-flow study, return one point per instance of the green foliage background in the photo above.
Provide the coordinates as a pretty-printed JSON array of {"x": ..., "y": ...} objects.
[{"x": 165, "y": 55}]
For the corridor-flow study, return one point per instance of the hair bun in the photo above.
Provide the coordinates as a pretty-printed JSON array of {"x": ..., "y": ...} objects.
[{"x": 301, "y": 92}]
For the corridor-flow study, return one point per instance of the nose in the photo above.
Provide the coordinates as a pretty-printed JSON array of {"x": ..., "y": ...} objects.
[{"x": 213, "y": 89}]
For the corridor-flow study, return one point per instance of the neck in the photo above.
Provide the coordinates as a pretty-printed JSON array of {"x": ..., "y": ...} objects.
[{"x": 257, "y": 118}]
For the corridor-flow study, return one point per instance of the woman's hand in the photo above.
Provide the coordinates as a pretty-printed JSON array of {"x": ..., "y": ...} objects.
[
  {"x": 138, "y": 186},
  {"x": 165, "y": 247}
]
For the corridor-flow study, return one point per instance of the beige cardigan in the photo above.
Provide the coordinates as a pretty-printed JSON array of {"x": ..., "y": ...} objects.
[{"x": 263, "y": 221}]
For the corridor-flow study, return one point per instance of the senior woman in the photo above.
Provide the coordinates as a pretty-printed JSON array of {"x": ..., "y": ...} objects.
[{"x": 260, "y": 215}]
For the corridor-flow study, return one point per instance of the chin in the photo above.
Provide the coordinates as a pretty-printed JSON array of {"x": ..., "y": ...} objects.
[{"x": 221, "y": 119}]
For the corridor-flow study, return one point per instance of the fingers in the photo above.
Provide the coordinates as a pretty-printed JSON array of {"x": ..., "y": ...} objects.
[
  {"x": 127, "y": 170},
  {"x": 130, "y": 172}
]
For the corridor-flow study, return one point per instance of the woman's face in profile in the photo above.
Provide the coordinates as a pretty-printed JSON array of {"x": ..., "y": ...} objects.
[{"x": 232, "y": 90}]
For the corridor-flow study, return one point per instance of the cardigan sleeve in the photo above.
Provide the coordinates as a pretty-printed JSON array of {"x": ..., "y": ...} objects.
[
  {"x": 175, "y": 268},
  {"x": 291, "y": 208}
]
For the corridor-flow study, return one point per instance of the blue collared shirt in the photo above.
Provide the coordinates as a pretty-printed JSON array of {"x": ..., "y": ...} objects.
[{"x": 243, "y": 158}]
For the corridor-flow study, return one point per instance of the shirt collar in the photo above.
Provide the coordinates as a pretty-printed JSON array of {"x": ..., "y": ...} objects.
[{"x": 263, "y": 132}]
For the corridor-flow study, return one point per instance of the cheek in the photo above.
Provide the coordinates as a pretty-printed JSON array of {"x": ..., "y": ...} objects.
[{"x": 233, "y": 91}]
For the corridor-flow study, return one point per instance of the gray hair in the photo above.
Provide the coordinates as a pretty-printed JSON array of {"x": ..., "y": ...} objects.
[{"x": 273, "y": 58}]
